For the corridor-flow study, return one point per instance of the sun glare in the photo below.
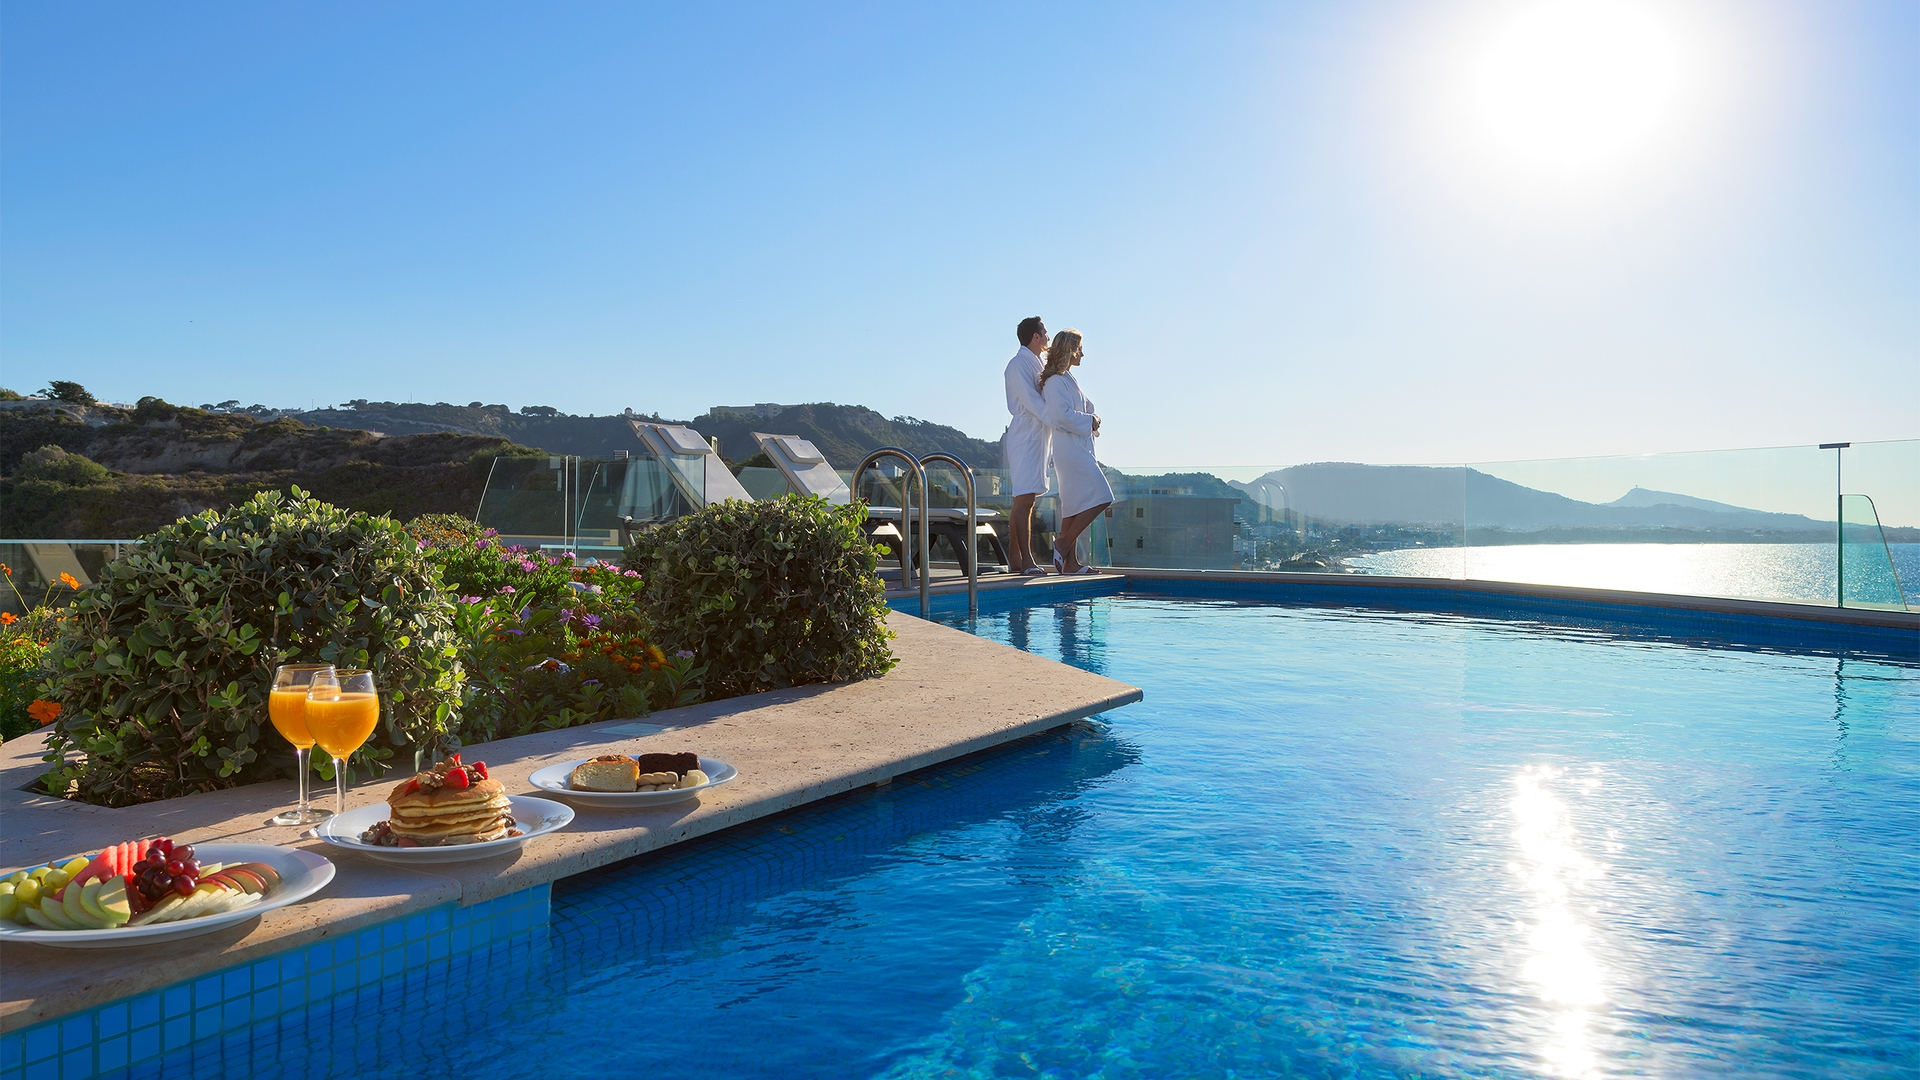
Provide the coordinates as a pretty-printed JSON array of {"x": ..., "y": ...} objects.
[{"x": 1571, "y": 94}]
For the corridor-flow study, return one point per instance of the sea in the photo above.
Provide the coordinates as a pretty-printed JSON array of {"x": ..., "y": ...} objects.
[{"x": 1795, "y": 573}]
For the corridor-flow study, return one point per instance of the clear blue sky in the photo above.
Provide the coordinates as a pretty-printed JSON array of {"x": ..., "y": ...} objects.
[{"x": 1417, "y": 231}]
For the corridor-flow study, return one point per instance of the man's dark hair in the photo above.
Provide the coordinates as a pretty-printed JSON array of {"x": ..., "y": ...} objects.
[{"x": 1028, "y": 327}]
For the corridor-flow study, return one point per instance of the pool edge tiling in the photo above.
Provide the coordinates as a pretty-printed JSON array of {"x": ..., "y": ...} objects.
[{"x": 952, "y": 694}]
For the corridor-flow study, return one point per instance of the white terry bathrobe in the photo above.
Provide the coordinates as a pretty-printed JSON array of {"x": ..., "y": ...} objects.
[
  {"x": 1028, "y": 440},
  {"x": 1070, "y": 415}
]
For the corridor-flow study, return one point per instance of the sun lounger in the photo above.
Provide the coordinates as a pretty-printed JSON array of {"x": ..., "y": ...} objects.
[
  {"x": 690, "y": 460},
  {"x": 807, "y": 470}
]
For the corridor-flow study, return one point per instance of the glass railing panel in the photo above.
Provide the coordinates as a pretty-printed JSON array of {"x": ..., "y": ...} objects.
[
  {"x": 764, "y": 483},
  {"x": 1746, "y": 524},
  {"x": 1301, "y": 519},
  {"x": 570, "y": 502},
  {"x": 36, "y": 565},
  {"x": 1888, "y": 473},
  {"x": 523, "y": 498},
  {"x": 1867, "y": 575}
]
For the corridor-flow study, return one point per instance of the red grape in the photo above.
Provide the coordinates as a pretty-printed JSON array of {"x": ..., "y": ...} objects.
[{"x": 183, "y": 886}]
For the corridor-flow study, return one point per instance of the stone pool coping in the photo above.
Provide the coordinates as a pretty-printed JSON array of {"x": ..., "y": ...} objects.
[{"x": 951, "y": 694}]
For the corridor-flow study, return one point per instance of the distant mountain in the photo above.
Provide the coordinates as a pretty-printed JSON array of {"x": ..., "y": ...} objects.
[
  {"x": 1348, "y": 493},
  {"x": 844, "y": 433}
]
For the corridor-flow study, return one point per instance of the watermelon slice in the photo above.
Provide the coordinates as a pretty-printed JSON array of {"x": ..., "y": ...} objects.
[{"x": 100, "y": 869}]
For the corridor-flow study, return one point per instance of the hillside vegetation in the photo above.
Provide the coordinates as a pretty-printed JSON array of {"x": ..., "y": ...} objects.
[
  {"x": 844, "y": 433},
  {"x": 96, "y": 472},
  {"x": 76, "y": 469}
]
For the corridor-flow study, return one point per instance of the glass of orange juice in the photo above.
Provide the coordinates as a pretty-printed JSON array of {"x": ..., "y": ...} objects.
[
  {"x": 287, "y": 708},
  {"x": 342, "y": 709}
]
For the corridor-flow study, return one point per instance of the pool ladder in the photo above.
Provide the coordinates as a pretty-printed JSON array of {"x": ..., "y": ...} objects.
[{"x": 917, "y": 470}]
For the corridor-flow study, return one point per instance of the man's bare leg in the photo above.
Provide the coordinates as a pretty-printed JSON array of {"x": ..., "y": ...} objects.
[{"x": 1020, "y": 533}]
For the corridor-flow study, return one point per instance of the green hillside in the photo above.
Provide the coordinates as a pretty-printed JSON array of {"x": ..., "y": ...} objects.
[
  {"x": 844, "y": 433},
  {"x": 98, "y": 472}
]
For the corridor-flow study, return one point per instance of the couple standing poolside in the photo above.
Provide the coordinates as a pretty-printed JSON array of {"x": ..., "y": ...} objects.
[{"x": 1052, "y": 418}]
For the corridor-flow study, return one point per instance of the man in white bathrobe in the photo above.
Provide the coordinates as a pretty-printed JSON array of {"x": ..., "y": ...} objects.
[{"x": 1028, "y": 440}]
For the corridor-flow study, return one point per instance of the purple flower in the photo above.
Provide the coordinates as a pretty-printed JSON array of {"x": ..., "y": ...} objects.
[
  {"x": 506, "y": 588},
  {"x": 591, "y": 622},
  {"x": 510, "y": 630},
  {"x": 595, "y": 589},
  {"x": 683, "y": 654},
  {"x": 527, "y": 565},
  {"x": 469, "y": 599},
  {"x": 481, "y": 544},
  {"x": 491, "y": 532},
  {"x": 566, "y": 614},
  {"x": 584, "y": 682},
  {"x": 632, "y": 573}
]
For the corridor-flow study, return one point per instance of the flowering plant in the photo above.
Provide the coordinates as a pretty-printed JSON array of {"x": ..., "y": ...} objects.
[
  {"x": 537, "y": 668},
  {"x": 24, "y": 640},
  {"x": 549, "y": 640}
]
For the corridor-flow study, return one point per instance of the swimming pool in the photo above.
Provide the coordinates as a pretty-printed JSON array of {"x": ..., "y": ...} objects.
[{"x": 1331, "y": 842}]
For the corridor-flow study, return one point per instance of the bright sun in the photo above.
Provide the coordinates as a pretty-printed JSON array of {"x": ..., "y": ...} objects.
[{"x": 1571, "y": 93}]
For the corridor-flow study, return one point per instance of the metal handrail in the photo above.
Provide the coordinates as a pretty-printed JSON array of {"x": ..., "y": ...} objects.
[
  {"x": 973, "y": 538},
  {"x": 919, "y": 474}
]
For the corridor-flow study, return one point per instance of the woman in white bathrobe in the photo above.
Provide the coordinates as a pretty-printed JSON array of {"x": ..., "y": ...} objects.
[{"x": 1084, "y": 491}]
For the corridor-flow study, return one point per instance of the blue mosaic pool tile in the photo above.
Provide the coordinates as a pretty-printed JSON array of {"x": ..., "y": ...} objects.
[
  {"x": 203, "y": 1025},
  {"x": 41, "y": 1042}
]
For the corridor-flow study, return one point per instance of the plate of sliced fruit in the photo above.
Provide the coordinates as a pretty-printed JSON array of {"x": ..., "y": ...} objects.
[{"x": 151, "y": 890}]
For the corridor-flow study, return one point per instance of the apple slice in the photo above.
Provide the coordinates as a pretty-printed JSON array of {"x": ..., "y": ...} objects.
[
  {"x": 115, "y": 906},
  {"x": 73, "y": 905},
  {"x": 90, "y": 900},
  {"x": 38, "y": 918},
  {"x": 49, "y": 915},
  {"x": 246, "y": 877},
  {"x": 266, "y": 873}
]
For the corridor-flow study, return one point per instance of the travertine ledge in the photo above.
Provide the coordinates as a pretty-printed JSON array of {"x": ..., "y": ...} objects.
[{"x": 952, "y": 694}]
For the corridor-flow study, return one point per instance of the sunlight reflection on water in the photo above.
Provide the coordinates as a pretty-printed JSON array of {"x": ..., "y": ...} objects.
[
  {"x": 1801, "y": 573},
  {"x": 1566, "y": 975}
]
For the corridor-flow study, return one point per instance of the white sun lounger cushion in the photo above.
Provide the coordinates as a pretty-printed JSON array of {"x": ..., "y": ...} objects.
[
  {"x": 684, "y": 441},
  {"x": 800, "y": 451}
]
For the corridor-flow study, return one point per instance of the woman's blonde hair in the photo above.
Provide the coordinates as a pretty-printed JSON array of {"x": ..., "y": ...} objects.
[{"x": 1061, "y": 355}]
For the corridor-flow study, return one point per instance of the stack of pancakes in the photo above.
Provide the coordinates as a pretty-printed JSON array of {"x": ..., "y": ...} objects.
[{"x": 440, "y": 814}]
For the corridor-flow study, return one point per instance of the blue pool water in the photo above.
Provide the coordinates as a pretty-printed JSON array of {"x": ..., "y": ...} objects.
[{"x": 1328, "y": 843}]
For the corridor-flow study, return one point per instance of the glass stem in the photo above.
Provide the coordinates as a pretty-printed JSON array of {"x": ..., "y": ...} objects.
[
  {"x": 302, "y": 752},
  {"x": 339, "y": 786}
]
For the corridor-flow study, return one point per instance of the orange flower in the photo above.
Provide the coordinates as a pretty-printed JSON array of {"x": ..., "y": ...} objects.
[
  {"x": 68, "y": 580},
  {"x": 8, "y": 569},
  {"x": 44, "y": 711},
  {"x": 8, "y": 618}
]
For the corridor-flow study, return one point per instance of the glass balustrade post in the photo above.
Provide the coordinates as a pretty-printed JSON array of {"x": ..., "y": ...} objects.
[{"x": 1839, "y": 526}]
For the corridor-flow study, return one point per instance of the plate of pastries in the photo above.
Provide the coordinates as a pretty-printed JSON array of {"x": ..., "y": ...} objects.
[
  {"x": 450, "y": 813},
  {"x": 634, "y": 779}
]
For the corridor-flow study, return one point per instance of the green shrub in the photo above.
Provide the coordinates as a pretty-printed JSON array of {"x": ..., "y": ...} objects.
[
  {"x": 768, "y": 594},
  {"x": 53, "y": 464},
  {"x": 162, "y": 667}
]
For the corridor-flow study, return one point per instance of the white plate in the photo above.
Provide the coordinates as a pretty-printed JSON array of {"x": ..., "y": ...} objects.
[
  {"x": 554, "y": 778},
  {"x": 534, "y": 817},
  {"x": 302, "y": 873}
]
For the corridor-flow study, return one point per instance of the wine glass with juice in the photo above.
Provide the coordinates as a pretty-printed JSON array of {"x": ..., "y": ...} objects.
[
  {"x": 287, "y": 708},
  {"x": 342, "y": 709}
]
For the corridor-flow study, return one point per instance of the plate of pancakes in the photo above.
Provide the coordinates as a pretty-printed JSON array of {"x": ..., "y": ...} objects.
[
  {"x": 450, "y": 813},
  {"x": 650, "y": 779}
]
